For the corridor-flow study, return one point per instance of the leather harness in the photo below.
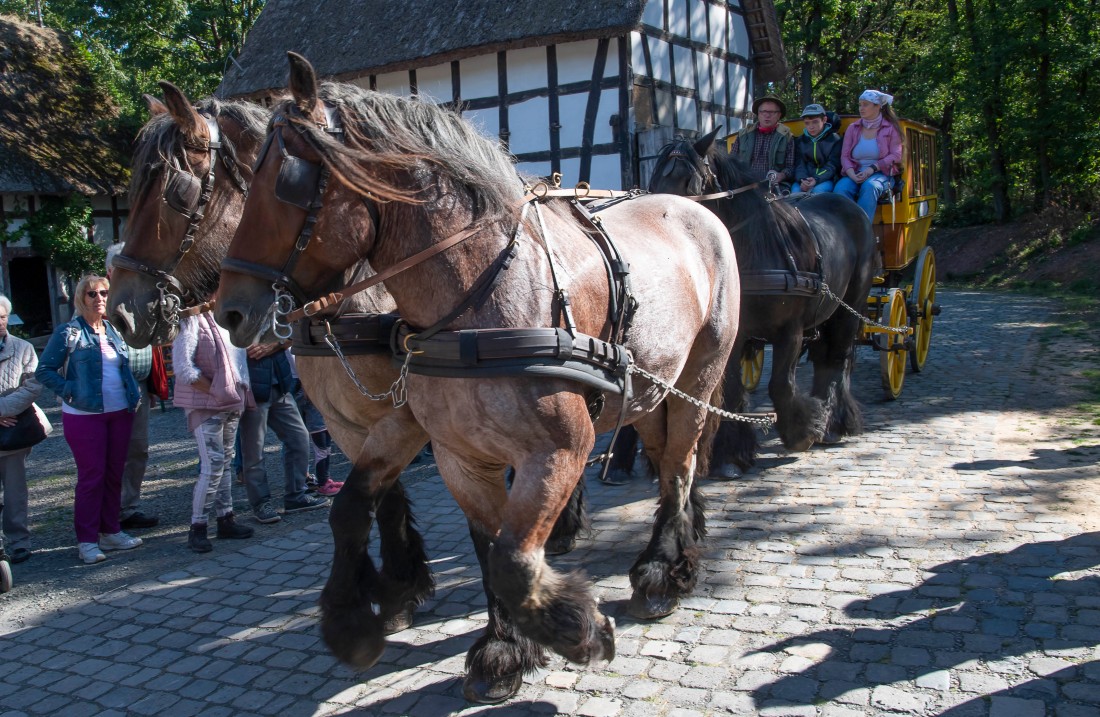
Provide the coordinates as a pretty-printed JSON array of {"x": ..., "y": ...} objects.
[{"x": 187, "y": 194}]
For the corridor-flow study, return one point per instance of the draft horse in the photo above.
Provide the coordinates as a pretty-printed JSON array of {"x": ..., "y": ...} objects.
[
  {"x": 191, "y": 172},
  {"x": 787, "y": 252},
  {"x": 396, "y": 177}
]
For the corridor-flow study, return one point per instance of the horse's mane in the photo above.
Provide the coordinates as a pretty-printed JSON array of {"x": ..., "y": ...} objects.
[
  {"x": 757, "y": 226},
  {"x": 160, "y": 138},
  {"x": 388, "y": 138}
]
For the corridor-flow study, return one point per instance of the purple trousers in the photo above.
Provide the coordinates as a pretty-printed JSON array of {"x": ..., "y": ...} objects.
[{"x": 99, "y": 443}]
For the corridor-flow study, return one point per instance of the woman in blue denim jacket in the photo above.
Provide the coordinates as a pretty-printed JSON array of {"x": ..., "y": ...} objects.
[{"x": 98, "y": 398}]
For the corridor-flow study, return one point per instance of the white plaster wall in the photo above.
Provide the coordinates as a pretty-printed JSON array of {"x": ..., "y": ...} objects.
[
  {"x": 434, "y": 83},
  {"x": 529, "y": 124}
]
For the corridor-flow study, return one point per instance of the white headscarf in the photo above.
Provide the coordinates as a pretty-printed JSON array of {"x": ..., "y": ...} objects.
[{"x": 879, "y": 98}]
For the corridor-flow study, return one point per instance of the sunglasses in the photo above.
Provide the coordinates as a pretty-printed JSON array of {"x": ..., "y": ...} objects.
[{"x": 102, "y": 292}]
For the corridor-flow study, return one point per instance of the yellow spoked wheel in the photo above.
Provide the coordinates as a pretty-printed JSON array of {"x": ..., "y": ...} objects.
[
  {"x": 893, "y": 354},
  {"x": 752, "y": 366},
  {"x": 924, "y": 286}
]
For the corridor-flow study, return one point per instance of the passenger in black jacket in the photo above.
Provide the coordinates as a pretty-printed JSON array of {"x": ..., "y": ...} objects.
[{"x": 817, "y": 153}]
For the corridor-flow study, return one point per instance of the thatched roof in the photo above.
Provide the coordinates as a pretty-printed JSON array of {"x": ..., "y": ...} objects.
[
  {"x": 348, "y": 38},
  {"x": 58, "y": 132}
]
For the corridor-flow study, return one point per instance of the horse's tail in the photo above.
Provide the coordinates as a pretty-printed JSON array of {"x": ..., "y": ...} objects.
[{"x": 711, "y": 424}]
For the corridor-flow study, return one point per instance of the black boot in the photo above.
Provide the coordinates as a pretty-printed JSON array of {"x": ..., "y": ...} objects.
[
  {"x": 229, "y": 528},
  {"x": 197, "y": 540}
]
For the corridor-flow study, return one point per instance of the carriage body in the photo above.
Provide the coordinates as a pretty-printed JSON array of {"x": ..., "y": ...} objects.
[{"x": 904, "y": 293}]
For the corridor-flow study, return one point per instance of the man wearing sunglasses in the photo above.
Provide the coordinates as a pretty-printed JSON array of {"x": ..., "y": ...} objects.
[{"x": 767, "y": 147}]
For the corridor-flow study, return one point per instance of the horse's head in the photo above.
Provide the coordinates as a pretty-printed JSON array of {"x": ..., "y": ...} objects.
[
  {"x": 303, "y": 224},
  {"x": 684, "y": 168},
  {"x": 190, "y": 175}
]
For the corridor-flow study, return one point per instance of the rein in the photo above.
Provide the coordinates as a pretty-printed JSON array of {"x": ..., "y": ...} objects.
[{"x": 179, "y": 194}]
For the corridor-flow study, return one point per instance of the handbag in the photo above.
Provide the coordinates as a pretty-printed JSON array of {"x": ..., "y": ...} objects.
[
  {"x": 29, "y": 430},
  {"x": 158, "y": 376}
]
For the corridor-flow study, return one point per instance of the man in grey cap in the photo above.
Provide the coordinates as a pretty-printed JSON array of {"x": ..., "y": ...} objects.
[
  {"x": 817, "y": 153},
  {"x": 767, "y": 146}
]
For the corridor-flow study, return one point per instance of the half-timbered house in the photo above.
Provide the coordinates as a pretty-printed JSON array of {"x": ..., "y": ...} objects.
[{"x": 588, "y": 88}]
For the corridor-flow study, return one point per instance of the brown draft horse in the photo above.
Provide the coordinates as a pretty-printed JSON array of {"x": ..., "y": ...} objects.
[
  {"x": 404, "y": 175},
  {"x": 827, "y": 238},
  {"x": 172, "y": 159}
]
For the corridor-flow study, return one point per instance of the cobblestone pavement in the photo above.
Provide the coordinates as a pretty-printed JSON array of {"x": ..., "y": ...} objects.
[{"x": 933, "y": 566}]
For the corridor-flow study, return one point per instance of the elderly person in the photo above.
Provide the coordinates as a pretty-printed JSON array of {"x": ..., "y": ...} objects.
[
  {"x": 137, "y": 458},
  {"x": 18, "y": 389},
  {"x": 871, "y": 155},
  {"x": 817, "y": 153},
  {"x": 767, "y": 147},
  {"x": 86, "y": 363},
  {"x": 212, "y": 388}
]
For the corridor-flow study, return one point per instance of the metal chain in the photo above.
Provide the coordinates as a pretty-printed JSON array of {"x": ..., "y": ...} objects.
[
  {"x": 764, "y": 422},
  {"x": 894, "y": 329},
  {"x": 398, "y": 390}
]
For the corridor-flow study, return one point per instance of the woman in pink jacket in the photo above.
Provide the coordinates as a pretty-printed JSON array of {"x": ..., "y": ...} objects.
[
  {"x": 871, "y": 155},
  {"x": 212, "y": 388}
]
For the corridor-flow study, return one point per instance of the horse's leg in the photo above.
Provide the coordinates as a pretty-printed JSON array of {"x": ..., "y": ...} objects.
[
  {"x": 832, "y": 356},
  {"x": 555, "y": 610},
  {"x": 668, "y": 567},
  {"x": 573, "y": 520},
  {"x": 734, "y": 451},
  {"x": 349, "y": 625},
  {"x": 801, "y": 418},
  {"x": 623, "y": 453},
  {"x": 496, "y": 663}
]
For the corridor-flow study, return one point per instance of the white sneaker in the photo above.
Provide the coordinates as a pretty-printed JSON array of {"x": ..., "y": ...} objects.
[
  {"x": 118, "y": 541},
  {"x": 90, "y": 553}
]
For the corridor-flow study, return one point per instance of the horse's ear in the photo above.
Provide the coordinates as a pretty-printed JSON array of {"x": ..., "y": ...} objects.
[
  {"x": 156, "y": 107},
  {"x": 181, "y": 110},
  {"x": 704, "y": 143},
  {"x": 303, "y": 83}
]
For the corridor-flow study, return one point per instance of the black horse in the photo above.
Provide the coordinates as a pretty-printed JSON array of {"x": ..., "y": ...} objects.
[{"x": 788, "y": 252}]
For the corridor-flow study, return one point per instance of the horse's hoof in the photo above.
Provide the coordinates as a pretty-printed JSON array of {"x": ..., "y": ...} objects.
[
  {"x": 491, "y": 690},
  {"x": 726, "y": 471},
  {"x": 560, "y": 546},
  {"x": 831, "y": 438},
  {"x": 402, "y": 620},
  {"x": 651, "y": 607},
  {"x": 353, "y": 636}
]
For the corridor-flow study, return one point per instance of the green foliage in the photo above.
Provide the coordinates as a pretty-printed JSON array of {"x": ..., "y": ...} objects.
[
  {"x": 132, "y": 44},
  {"x": 58, "y": 231},
  {"x": 1009, "y": 82}
]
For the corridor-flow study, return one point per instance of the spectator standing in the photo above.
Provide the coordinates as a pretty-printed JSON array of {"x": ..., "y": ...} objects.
[
  {"x": 18, "y": 389},
  {"x": 767, "y": 147},
  {"x": 137, "y": 456},
  {"x": 86, "y": 363},
  {"x": 320, "y": 480},
  {"x": 273, "y": 386},
  {"x": 212, "y": 388}
]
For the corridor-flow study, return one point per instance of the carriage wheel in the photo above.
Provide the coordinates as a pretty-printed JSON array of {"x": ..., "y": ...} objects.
[
  {"x": 924, "y": 286},
  {"x": 892, "y": 356},
  {"x": 5, "y": 576},
  {"x": 752, "y": 366}
]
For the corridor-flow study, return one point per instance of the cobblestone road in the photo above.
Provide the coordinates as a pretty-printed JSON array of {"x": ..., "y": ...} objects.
[{"x": 933, "y": 566}]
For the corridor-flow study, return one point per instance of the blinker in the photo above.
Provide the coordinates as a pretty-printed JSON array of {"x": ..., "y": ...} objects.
[
  {"x": 182, "y": 191},
  {"x": 297, "y": 182}
]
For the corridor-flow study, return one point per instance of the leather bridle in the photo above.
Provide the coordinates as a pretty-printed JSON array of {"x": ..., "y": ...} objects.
[{"x": 188, "y": 195}]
